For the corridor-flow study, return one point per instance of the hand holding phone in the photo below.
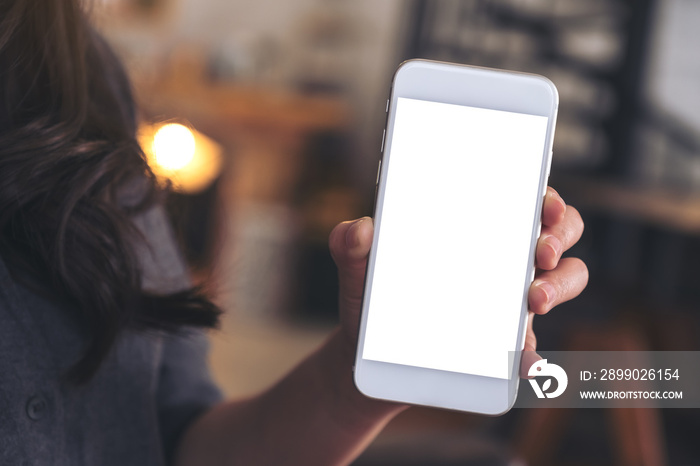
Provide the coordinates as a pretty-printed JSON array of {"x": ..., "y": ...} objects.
[
  {"x": 350, "y": 243},
  {"x": 453, "y": 134}
]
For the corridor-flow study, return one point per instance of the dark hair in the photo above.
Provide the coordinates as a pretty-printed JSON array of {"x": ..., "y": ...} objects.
[{"x": 67, "y": 150}]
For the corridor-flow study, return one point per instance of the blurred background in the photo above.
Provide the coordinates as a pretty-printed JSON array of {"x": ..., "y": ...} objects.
[{"x": 267, "y": 116}]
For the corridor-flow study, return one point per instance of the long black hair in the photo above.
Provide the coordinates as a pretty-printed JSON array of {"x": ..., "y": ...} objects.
[{"x": 67, "y": 149}]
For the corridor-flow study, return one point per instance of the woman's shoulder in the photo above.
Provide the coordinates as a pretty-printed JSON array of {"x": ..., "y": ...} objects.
[{"x": 163, "y": 267}]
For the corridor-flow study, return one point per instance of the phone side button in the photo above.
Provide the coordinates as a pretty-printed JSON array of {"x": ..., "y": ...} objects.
[
  {"x": 387, "y": 106},
  {"x": 379, "y": 170},
  {"x": 383, "y": 136}
]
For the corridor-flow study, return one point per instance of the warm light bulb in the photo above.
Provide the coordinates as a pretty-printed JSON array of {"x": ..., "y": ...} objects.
[
  {"x": 187, "y": 158},
  {"x": 173, "y": 146}
]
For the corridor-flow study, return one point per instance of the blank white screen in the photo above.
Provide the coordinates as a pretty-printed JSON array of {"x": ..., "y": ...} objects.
[{"x": 453, "y": 247}]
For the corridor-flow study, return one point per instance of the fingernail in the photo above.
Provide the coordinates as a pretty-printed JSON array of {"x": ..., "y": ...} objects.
[
  {"x": 352, "y": 239},
  {"x": 555, "y": 194},
  {"x": 548, "y": 290},
  {"x": 554, "y": 243}
]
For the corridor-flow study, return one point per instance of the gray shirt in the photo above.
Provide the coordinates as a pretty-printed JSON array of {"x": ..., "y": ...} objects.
[{"x": 146, "y": 393}]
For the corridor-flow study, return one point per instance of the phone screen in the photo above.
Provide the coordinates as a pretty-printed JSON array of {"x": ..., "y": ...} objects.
[{"x": 454, "y": 234}]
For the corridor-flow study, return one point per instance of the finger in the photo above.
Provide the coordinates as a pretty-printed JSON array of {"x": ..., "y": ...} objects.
[
  {"x": 529, "y": 355},
  {"x": 553, "y": 287},
  {"x": 349, "y": 245},
  {"x": 350, "y": 241},
  {"x": 557, "y": 238},
  {"x": 554, "y": 207}
]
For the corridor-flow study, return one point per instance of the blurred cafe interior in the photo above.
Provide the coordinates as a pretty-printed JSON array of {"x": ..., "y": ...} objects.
[{"x": 267, "y": 117}]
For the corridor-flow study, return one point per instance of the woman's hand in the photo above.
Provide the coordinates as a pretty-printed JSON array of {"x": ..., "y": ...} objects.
[
  {"x": 317, "y": 399},
  {"x": 557, "y": 280}
]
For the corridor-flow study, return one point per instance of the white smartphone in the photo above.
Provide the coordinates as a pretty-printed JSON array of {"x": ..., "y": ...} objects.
[{"x": 461, "y": 182}]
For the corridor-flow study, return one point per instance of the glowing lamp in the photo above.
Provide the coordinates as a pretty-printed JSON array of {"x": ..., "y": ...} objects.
[
  {"x": 186, "y": 157},
  {"x": 173, "y": 146}
]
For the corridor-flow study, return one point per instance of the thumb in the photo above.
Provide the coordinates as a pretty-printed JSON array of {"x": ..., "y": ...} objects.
[{"x": 349, "y": 245}]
